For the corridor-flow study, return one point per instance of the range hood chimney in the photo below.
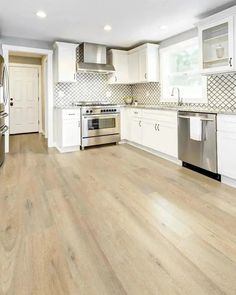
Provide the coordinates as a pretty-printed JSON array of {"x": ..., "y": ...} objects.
[{"x": 93, "y": 58}]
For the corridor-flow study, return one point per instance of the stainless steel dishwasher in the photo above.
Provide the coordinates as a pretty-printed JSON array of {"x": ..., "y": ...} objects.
[{"x": 202, "y": 153}]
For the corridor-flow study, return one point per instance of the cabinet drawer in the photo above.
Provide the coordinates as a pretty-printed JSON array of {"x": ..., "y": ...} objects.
[
  {"x": 71, "y": 114},
  {"x": 159, "y": 115},
  {"x": 227, "y": 123},
  {"x": 136, "y": 112}
]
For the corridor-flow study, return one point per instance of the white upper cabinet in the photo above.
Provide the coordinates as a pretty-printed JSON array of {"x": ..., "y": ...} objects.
[
  {"x": 119, "y": 59},
  {"x": 139, "y": 65},
  {"x": 134, "y": 66},
  {"x": 217, "y": 37},
  {"x": 149, "y": 63},
  {"x": 65, "y": 62}
]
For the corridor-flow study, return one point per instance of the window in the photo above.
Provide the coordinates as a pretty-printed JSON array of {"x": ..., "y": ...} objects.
[{"x": 180, "y": 68}]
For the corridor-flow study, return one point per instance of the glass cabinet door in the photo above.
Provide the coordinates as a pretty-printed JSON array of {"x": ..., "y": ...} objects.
[{"x": 217, "y": 47}]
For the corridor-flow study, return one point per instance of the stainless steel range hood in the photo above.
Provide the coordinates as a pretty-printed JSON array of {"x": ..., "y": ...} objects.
[{"x": 93, "y": 58}]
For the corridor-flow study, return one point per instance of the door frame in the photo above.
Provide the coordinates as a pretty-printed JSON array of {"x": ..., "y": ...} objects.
[
  {"x": 39, "y": 67},
  {"x": 48, "y": 53}
]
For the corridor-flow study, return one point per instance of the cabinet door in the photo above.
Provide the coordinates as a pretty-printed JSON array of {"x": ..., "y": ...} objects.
[
  {"x": 136, "y": 130},
  {"x": 120, "y": 62},
  {"x": 217, "y": 46},
  {"x": 125, "y": 123},
  {"x": 71, "y": 133},
  {"x": 143, "y": 67},
  {"x": 150, "y": 134},
  {"x": 133, "y": 61},
  {"x": 226, "y": 154},
  {"x": 65, "y": 59},
  {"x": 168, "y": 139}
]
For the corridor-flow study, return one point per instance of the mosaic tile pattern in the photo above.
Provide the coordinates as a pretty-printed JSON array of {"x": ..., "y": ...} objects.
[
  {"x": 221, "y": 92},
  {"x": 147, "y": 93},
  {"x": 90, "y": 87}
]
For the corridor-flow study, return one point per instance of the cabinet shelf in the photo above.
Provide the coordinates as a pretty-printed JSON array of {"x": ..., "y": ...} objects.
[
  {"x": 224, "y": 36},
  {"x": 218, "y": 60}
]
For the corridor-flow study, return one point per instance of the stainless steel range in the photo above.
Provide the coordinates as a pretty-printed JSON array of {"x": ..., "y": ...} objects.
[{"x": 100, "y": 123}]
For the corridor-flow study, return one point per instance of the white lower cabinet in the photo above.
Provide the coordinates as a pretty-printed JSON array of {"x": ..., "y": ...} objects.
[
  {"x": 136, "y": 132},
  {"x": 227, "y": 145},
  {"x": 125, "y": 126},
  {"x": 154, "y": 129},
  {"x": 150, "y": 134},
  {"x": 67, "y": 129}
]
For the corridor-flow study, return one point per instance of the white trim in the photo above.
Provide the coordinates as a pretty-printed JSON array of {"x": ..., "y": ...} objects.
[
  {"x": 49, "y": 101},
  {"x": 173, "y": 47},
  {"x": 229, "y": 181},
  {"x": 39, "y": 67}
]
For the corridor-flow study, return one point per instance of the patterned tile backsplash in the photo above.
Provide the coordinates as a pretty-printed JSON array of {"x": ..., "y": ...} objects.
[{"x": 92, "y": 86}]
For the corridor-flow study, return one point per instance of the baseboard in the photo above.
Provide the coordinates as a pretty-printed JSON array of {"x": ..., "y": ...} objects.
[
  {"x": 68, "y": 149},
  {"x": 151, "y": 151},
  {"x": 229, "y": 181}
]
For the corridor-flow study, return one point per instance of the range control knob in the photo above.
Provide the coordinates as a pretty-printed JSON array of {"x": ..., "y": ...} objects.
[
  {"x": 87, "y": 111},
  {"x": 91, "y": 111}
]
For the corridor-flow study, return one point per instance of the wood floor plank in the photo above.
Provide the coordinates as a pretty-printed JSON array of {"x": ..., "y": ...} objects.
[{"x": 112, "y": 220}]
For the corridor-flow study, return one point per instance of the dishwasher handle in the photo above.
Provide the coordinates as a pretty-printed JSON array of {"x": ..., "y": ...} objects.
[{"x": 201, "y": 118}]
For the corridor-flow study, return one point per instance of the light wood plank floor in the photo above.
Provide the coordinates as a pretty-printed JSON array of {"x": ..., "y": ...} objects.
[{"x": 112, "y": 220}]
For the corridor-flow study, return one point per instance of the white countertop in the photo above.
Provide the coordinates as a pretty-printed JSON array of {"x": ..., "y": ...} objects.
[{"x": 165, "y": 108}]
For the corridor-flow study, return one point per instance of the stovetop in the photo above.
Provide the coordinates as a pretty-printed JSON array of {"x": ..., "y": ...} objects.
[{"x": 91, "y": 103}]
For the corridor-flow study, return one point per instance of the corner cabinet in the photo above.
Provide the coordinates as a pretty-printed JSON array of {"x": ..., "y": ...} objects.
[
  {"x": 139, "y": 65},
  {"x": 217, "y": 37},
  {"x": 67, "y": 129},
  {"x": 64, "y": 62}
]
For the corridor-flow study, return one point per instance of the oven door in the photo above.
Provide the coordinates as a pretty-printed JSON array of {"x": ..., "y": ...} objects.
[
  {"x": 97, "y": 125},
  {"x": 3, "y": 130}
]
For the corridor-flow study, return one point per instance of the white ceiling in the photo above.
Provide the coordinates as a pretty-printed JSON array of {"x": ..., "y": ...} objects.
[{"x": 133, "y": 21}]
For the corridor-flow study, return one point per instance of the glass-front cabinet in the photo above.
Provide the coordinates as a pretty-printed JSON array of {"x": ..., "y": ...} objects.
[{"x": 217, "y": 46}]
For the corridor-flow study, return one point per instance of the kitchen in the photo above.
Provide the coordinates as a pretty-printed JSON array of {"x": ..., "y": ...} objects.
[{"x": 129, "y": 177}]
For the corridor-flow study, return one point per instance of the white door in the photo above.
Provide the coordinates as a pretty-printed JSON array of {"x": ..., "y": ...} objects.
[{"x": 24, "y": 99}]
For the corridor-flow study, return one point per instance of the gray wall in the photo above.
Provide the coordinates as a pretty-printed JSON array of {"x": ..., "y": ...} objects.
[{"x": 25, "y": 42}]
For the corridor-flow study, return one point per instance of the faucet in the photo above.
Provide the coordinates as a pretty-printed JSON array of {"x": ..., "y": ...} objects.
[{"x": 180, "y": 99}]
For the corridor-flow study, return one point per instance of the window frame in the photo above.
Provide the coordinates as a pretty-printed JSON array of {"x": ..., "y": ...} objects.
[{"x": 171, "y": 48}]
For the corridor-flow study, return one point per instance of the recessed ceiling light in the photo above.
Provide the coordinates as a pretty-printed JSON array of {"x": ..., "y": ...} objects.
[
  {"x": 41, "y": 14},
  {"x": 163, "y": 27},
  {"x": 107, "y": 28}
]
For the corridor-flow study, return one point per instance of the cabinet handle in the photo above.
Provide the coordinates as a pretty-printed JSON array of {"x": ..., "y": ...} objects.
[
  {"x": 115, "y": 79},
  {"x": 135, "y": 113},
  {"x": 230, "y": 62},
  {"x": 155, "y": 127},
  {"x": 140, "y": 123},
  {"x": 145, "y": 76},
  {"x": 158, "y": 127},
  {"x": 74, "y": 76}
]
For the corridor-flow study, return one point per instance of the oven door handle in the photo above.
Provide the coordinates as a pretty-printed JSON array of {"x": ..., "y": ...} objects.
[
  {"x": 4, "y": 129},
  {"x": 101, "y": 117},
  {"x": 4, "y": 115}
]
